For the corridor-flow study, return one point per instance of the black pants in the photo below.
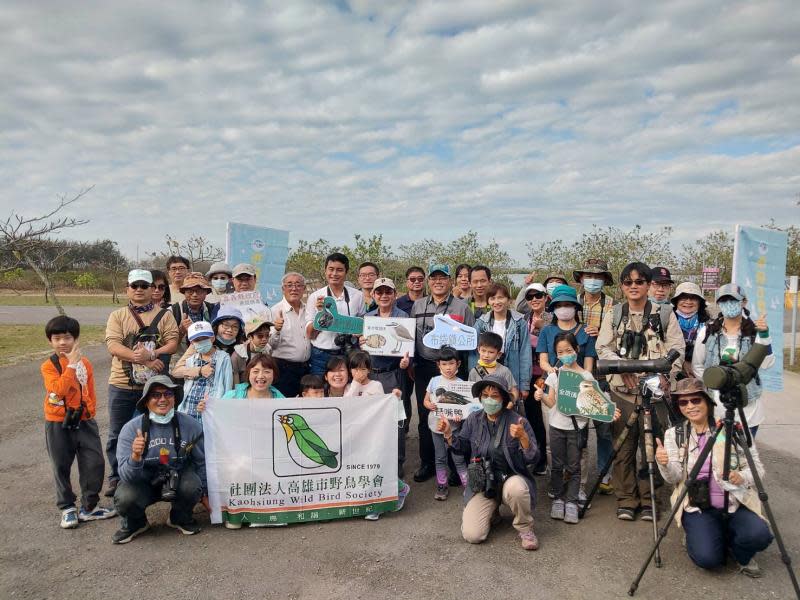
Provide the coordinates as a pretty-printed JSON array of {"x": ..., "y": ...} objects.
[
  {"x": 391, "y": 380},
  {"x": 424, "y": 371},
  {"x": 63, "y": 445},
  {"x": 533, "y": 412},
  {"x": 289, "y": 376},
  {"x": 121, "y": 409},
  {"x": 132, "y": 498}
]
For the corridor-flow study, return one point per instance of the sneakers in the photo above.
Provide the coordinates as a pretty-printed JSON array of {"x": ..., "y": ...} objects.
[
  {"x": 551, "y": 495},
  {"x": 529, "y": 540},
  {"x": 582, "y": 497},
  {"x": 98, "y": 513},
  {"x": 189, "y": 528},
  {"x": 424, "y": 473},
  {"x": 646, "y": 514},
  {"x": 606, "y": 489},
  {"x": 229, "y": 525},
  {"x": 401, "y": 496},
  {"x": 626, "y": 514},
  {"x": 373, "y": 516},
  {"x": 571, "y": 513},
  {"x": 442, "y": 492},
  {"x": 751, "y": 569},
  {"x": 69, "y": 518},
  {"x": 112, "y": 488},
  {"x": 557, "y": 510},
  {"x": 128, "y": 532}
]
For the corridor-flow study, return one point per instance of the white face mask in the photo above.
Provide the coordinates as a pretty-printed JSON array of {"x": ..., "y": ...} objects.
[
  {"x": 565, "y": 313},
  {"x": 219, "y": 285},
  {"x": 162, "y": 419},
  {"x": 551, "y": 286}
]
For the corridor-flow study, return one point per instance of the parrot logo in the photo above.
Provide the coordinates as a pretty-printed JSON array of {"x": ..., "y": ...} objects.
[{"x": 304, "y": 445}]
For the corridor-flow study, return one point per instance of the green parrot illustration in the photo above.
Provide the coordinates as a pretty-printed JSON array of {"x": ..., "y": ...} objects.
[{"x": 309, "y": 444}]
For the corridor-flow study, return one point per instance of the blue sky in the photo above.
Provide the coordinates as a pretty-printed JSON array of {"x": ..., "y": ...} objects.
[{"x": 523, "y": 121}]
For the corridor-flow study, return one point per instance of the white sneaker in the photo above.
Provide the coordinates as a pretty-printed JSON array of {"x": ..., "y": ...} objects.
[{"x": 69, "y": 518}]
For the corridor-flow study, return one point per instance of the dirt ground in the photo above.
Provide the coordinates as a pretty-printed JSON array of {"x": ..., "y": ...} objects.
[{"x": 417, "y": 553}]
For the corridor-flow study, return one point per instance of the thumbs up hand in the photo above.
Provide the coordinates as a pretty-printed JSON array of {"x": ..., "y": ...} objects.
[
  {"x": 761, "y": 323},
  {"x": 137, "y": 448},
  {"x": 662, "y": 457},
  {"x": 278, "y": 322}
]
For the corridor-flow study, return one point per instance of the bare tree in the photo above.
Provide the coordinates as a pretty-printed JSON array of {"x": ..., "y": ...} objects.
[
  {"x": 25, "y": 240},
  {"x": 196, "y": 248}
]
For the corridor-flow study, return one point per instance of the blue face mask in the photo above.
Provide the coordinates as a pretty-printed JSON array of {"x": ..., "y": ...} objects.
[
  {"x": 659, "y": 302},
  {"x": 730, "y": 309},
  {"x": 162, "y": 419},
  {"x": 225, "y": 341},
  {"x": 203, "y": 346},
  {"x": 491, "y": 406},
  {"x": 568, "y": 359},
  {"x": 592, "y": 285}
]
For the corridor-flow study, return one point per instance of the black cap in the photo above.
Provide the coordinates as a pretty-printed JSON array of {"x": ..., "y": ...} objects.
[{"x": 660, "y": 275}]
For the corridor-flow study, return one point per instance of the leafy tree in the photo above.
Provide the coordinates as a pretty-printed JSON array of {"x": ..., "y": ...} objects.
[
  {"x": 307, "y": 258},
  {"x": 713, "y": 250},
  {"x": 86, "y": 280},
  {"x": 465, "y": 249}
]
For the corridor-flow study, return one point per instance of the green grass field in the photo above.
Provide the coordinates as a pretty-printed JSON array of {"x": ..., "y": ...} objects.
[
  {"x": 66, "y": 300},
  {"x": 21, "y": 342}
]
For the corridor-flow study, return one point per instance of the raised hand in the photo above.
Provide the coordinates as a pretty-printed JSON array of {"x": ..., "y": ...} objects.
[
  {"x": 74, "y": 356},
  {"x": 137, "y": 448},
  {"x": 278, "y": 322},
  {"x": 761, "y": 323},
  {"x": 662, "y": 457}
]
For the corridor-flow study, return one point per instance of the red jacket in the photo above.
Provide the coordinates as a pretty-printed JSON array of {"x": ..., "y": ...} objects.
[{"x": 66, "y": 386}]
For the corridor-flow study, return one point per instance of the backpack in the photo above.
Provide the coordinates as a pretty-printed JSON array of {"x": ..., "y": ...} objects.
[
  {"x": 621, "y": 312},
  {"x": 148, "y": 335}
]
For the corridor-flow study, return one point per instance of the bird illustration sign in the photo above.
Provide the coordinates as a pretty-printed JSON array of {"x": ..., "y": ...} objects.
[
  {"x": 449, "y": 332},
  {"x": 389, "y": 336},
  {"x": 329, "y": 319},
  {"x": 454, "y": 400},
  {"x": 309, "y": 441},
  {"x": 582, "y": 398}
]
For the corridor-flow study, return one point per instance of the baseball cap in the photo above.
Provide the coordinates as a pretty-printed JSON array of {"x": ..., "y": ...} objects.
[
  {"x": 135, "y": 275},
  {"x": 660, "y": 275},
  {"x": 244, "y": 269},
  {"x": 384, "y": 282},
  {"x": 439, "y": 268},
  {"x": 200, "y": 329},
  {"x": 729, "y": 289}
]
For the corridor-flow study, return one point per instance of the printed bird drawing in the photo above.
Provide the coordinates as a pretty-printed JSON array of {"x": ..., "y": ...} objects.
[
  {"x": 306, "y": 448},
  {"x": 400, "y": 335},
  {"x": 444, "y": 396},
  {"x": 590, "y": 401}
]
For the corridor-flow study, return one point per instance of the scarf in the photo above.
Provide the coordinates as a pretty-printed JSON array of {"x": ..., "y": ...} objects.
[
  {"x": 485, "y": 365},
  {"x": 141, "y": 309}
]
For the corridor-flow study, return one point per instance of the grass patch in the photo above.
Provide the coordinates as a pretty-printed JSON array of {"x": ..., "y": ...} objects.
[
  {"x": 786, "y": 366},
  {"x": 65, "y": 299},
  {"x": 19, "y": 342}
]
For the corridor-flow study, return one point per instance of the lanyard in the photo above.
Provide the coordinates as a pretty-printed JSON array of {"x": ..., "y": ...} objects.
[
  {"x": 425, "y": 327},
  {"x": 346, "y": 298}
]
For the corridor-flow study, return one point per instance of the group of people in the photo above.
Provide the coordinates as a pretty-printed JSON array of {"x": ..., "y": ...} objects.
[{"x": 176, "y": 344}]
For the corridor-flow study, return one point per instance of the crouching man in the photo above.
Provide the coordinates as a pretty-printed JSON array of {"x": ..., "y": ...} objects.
[{"x": 161, "y": 458}]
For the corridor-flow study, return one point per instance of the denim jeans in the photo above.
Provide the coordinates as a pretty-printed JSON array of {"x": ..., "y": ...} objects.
[
  {"x": 440, "y": 452},
  {"x": 121, "y": 409},
  {"x": 318, "y": 360},
  {"x": 706, "y": 537}
]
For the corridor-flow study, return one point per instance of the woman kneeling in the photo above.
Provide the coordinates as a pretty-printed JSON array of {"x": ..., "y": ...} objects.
[
  {"x": 501, "y": 445},
  {"x": 708, "y": 533}
]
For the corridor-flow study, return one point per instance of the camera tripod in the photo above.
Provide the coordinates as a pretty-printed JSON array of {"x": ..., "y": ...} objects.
[
  {"x": 733, "y": 435},
  {"x": 642, "y": 408}
]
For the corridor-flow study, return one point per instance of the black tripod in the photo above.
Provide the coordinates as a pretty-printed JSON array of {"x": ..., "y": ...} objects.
[
  {"x": 643, "y": 408},
  {"x": 733, "y": 434}
]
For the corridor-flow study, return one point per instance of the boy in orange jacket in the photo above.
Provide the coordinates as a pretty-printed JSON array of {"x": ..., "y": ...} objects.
[{"x": 70, "y": 428}]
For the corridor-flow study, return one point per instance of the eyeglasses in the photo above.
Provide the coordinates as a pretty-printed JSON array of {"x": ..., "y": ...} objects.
[
  {"x": 536, "y": 295},
  {"x": 161, "y": 286},
  {"x": 229, "y": 326},
  {"x": 416, "y": 279},
  {"x": 630, "y": 282},
  {"x": 684, "y": 402},
  {"x": 195, "y": 290},
  {"x": 166, "y": 394},
  {"x": 295, "y": 286},
  {"x": 367, "y": 275},
  {"x": 438, "y": 278},
  {"x": 139, "y": 286},
  {"x": 383, "y": 292}
]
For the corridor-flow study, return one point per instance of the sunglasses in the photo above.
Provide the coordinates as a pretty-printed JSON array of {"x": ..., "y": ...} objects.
[
  {"x": 630, "y": 282},
  {"x": 382, "y": 291},
  {"x": 532, "y": 295},
  {"x": 161, "y": 286},
  {"x": 684, "y": 402},
  {"x": 166, "y": 394},
  {"x": 139, "y": 286}
]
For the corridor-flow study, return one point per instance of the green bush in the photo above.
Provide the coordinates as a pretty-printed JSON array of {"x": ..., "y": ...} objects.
[{"x": 87, "y": 281}]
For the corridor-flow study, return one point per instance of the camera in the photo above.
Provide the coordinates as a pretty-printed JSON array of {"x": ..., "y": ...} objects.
[
  {"x": 168, "y": 480},
  {"x": 734, "y": 378},
  {"x": 654, "y": 365},
  {"x": 72, "y": 418},
  {"x": 482, "y": 477},
  {"x": 345, "y": 341},
  {"x": 699, "y": 494}
]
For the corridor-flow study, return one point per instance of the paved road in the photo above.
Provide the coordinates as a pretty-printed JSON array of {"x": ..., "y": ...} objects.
[{"x": 414, "y": 554}]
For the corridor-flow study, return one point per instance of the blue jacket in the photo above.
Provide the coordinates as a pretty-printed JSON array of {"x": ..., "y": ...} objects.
[
  {"x": 240, "y": 391},
  {"x": 516, "y": 347}
]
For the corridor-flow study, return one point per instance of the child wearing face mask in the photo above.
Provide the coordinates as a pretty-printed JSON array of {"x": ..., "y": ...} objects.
[
  {"x": 448, "y": 365},
  {"x": 566, "y": 433},
  {"x": 728, "y": 338},
  {"x": 205, "y": 369},
  {"x": 257, "y": 331}
]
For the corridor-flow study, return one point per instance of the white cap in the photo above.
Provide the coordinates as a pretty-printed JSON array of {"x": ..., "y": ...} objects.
[
  {"x": 140, "y": 275},
  {"x": 199, "y": 330},
  {"x": 536, "y": 286}
]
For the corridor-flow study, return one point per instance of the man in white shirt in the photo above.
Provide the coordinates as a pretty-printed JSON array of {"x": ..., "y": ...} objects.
[
  {"x": 349, "y": 301},
  {"x": 291, "y": 347}
]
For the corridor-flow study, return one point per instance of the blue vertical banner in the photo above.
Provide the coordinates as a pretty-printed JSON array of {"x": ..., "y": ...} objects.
[
  {"x": 759, "y": 267},
  {"x": 264, "y": 248}
]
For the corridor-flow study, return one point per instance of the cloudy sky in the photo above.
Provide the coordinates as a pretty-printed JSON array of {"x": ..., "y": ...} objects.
[{"x": 525, "y": 121}]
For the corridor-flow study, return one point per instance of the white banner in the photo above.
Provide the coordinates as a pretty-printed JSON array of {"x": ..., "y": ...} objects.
[{"x": 291, "y": 460}]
